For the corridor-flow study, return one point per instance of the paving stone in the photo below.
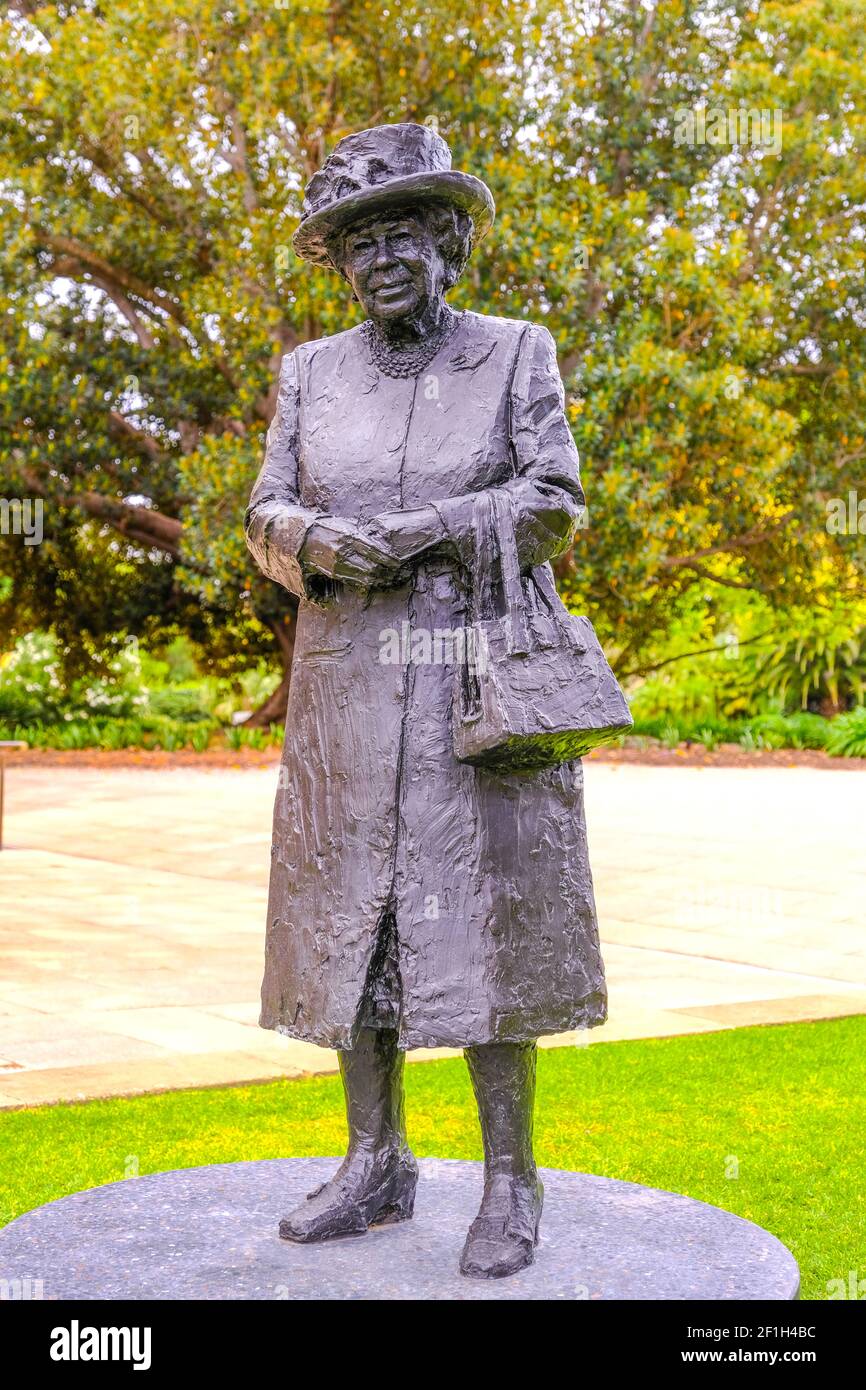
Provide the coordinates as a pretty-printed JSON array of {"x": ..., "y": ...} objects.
[{"x": 132, "y": 911}]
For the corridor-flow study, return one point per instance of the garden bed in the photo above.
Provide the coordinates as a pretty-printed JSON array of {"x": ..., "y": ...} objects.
[
  {"x": 650, "y": 753},
  {"x": 143, "y": 757},
  {"x": 654, "y": 753}
]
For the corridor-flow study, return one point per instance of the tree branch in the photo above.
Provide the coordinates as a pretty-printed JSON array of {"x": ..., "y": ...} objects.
[
  {"x": 144, "y": 525},
  {"x": 683, "y": 656},
  {"x": 120, "y": 301},
  {"x": 748, "y": 538},
  {"x": 114, "y": 275},
  {"x": 140, "y": 438},
  {"x": 718, "y": 578}
]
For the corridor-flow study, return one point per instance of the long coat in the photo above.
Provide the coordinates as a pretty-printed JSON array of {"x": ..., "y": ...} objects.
[{"x": 484, "y": 875}]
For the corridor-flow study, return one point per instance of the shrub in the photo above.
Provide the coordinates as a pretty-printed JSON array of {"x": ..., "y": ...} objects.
[
  {"x": 820, "y": 668},
  {"x": 31, "y": 684},
  {"x": 801, "y": 730},
  {"x": 187, "y": 702},
  {"x": 200, "y": 737},
  {"x": 848, "y": 734}
]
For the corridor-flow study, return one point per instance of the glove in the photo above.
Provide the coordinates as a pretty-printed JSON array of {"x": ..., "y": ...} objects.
[
  {"x": 341, "y": 550},
  {"x": 408, "y": 534}
]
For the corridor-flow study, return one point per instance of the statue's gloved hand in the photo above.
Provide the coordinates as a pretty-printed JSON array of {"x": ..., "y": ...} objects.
[
  {"x": 409, "y": 533},
  {"x": 342, "y": 550}
]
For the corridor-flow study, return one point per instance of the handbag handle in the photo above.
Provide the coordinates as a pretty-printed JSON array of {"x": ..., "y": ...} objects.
[
  {"x": 492, "y": 512},
  {"x": 509, "y": 568},
  {"x": 493, "y": 519},
  {"x": 567, "y": 627}
]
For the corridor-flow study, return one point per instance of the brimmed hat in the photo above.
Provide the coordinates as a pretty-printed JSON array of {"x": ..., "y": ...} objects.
[{"x": 387, "y": 166}]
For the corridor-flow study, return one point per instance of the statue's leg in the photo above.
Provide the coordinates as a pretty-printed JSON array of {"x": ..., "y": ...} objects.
[
  {"x": 503, "y": 1236},
  {"x": 376, "y": 1181}
]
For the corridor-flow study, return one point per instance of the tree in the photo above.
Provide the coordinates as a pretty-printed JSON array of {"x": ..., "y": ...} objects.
[{"x": 706, "y": 294}]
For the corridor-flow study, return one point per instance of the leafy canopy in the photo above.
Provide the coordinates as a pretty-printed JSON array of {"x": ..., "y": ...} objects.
[{"x": 707, "y": 298}]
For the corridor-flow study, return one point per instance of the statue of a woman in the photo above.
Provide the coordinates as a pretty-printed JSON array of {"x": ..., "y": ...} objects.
[{"x": 415, "y": 900}]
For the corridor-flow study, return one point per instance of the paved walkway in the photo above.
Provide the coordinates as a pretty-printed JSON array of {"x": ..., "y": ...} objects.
[{"x": 132, "y": 906}]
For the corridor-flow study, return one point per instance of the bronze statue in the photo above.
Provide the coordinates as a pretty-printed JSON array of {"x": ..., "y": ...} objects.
[{"x": 417, "y": 899}]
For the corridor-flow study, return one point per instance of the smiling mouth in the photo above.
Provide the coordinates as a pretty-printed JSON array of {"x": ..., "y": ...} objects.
[{"x": 391, "y": 287}]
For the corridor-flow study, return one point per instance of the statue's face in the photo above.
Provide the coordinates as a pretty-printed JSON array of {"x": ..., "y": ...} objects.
[{"x": 394, "y": 265}]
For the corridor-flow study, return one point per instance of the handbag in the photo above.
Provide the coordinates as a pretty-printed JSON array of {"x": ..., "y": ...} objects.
[{"x": 533, "y": 688}]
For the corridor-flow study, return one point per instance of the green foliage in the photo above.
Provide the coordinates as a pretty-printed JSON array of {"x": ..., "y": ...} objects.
[
  {"x": 742, "y": 658},
  {"x": 848, "y": 736},
  {"x": 147, "y": 700},
  {"x": 820, "y": 666},
  {"x": 707, "y": 299},
  {"x": 186, "y": 702},
  {"x": 239, "y": 737},
  {"x": 33, "y": 684},
  {"x": 180, "y": 660},
  {"x": 762, "y": 731},
  {"x": 791, "y": 731},
  {"x": 148, "y": 731},
  {"x": 149, "y": 695},
  {"x": 111, "y": 733}
]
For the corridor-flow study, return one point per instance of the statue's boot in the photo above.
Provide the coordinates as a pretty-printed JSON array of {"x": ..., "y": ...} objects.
[
  {"x": 503, "y": 1236},
  {"x": 376, "y": 1181}
]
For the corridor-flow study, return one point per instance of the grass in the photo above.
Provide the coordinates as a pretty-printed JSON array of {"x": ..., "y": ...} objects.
[{"x": 765, "y": 1122}]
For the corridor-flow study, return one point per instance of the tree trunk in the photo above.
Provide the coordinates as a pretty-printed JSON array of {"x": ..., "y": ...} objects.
[{"x": 273, "y": 711}]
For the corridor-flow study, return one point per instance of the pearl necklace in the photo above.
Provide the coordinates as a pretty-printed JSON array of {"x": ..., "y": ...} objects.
[{"x": 408, "y": 361}]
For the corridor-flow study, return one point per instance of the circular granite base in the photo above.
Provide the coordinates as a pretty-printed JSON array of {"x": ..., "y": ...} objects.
[{"x": 212, "y": 1233}]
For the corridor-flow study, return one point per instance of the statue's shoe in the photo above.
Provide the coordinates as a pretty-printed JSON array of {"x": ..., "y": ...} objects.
[
  {"x": 371, "y": 1192},
  {"x": 504, "y": 1234}
]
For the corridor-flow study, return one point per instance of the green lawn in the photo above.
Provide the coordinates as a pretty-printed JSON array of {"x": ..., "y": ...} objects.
[{"x": 766, "y": 1122}]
